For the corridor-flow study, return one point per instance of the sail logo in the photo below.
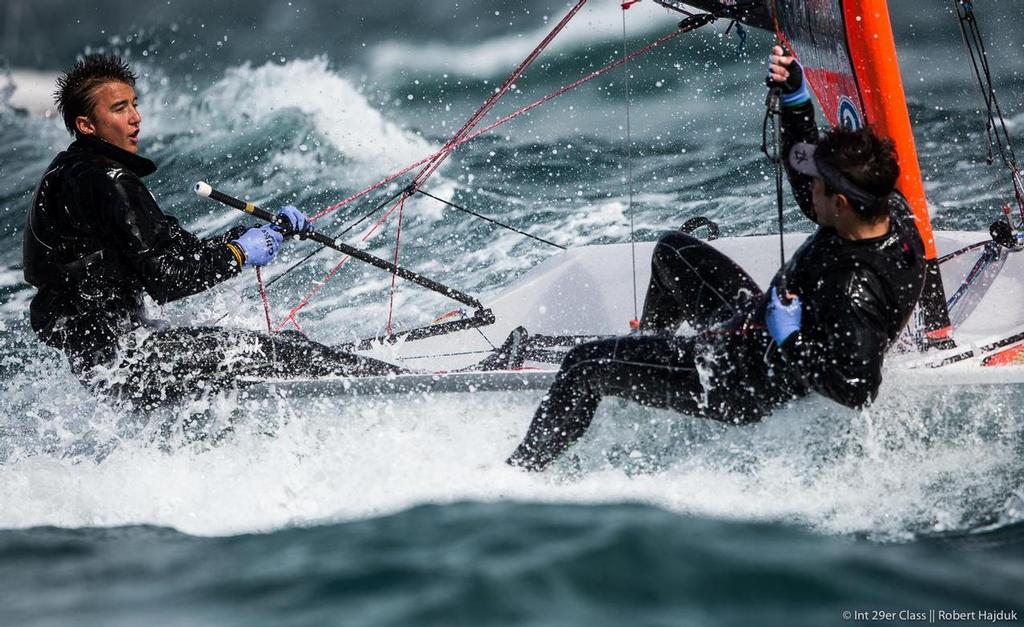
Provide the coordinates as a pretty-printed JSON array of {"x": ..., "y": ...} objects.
[{"x": 848, "y": 115}]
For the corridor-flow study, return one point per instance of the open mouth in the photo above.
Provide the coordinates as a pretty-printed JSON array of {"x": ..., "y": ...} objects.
[{"x": 134, "y": 137}]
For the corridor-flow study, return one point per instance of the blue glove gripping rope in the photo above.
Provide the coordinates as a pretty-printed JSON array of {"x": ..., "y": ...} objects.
[
  {"x": 296, "y": 218},
  {"x": 782, "y": 320}
]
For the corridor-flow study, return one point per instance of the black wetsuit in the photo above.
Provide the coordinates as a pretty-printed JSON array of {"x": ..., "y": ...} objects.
[
  {"x": 856, "y": 297},
  {"x": 95, "y": 239}
]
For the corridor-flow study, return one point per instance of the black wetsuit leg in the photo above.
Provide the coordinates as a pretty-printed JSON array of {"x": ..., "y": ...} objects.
[
  {"x": 177, "y": 363},
  {"x": 650, "y": 370},
  {"x": 692, "y": 282}
]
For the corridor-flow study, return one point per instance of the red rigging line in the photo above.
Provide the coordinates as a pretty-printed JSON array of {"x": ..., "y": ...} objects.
[
  {"x": 319, "y": 285},
  {"x": 432, "y": 167},
  {"x": 434, "y": 161},
  {"x": 467, "y": 133},
  {"x": 508, "y": 118},
  {"x": 265, "y": 299},
  {"x": 394, "y": 277},
  {"x": 290, "y": 318},
  {"x": 571, "y": 86}
]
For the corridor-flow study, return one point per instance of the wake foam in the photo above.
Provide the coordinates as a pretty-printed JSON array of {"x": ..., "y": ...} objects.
[{"x": 917, "y": 463}]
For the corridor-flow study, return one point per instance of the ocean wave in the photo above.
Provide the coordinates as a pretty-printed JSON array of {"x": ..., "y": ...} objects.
[
  {"x": 30, "y": 90},
  {"x": 600, "y": 24},
  {"x": 247, "y": 97}
]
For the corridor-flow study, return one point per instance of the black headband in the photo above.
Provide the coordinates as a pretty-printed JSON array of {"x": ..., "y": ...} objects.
[{"x": 804, "y": 158}]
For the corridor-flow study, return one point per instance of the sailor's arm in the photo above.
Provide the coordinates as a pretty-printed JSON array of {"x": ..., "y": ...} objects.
[
  {"x": 187, "y": 264},
  {"x": 172, "y": 262},
  {"x": 798, "y": 124},
  {"x": 840, "y": 355}
]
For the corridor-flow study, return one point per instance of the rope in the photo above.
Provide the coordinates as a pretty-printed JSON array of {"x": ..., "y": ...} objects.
[
  {"x": 318, "y": 286},
  {"x": 322, "y": 248},
  {"x": 491, "y": 220},
  {"x": 772, "y": 115},
  {"x": 394, "y": 277},
  {"x": 309, "y": 295},
  {"x": 501, "y": 121},
  {"x": 571, "y": 86},
  {"x": 447, "y": 150},
  {"x": 467, "y": 136},
  {"x": 486, "y": 339},
  {"x": 266, "y": 301},
  {"x": 433, "y": 163},
  {"x": 635, "y": 322}
]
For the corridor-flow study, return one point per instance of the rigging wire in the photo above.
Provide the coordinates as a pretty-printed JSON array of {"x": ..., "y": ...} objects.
[
  {"x": 995, "y": 124},
  {"x": 441, "y": 156},
  {"x": 635, "y": 322},
  {"x": 498, "y": 93},
  {"x": 488, "y": 219},
  {"x": 515, "y": 114},
  {"x": 346, "y": 230}
]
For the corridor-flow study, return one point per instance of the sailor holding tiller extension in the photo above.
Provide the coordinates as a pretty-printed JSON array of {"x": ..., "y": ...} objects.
[
  {"x": 850, "y": 289},
  {"x": 95, "y": 240}
]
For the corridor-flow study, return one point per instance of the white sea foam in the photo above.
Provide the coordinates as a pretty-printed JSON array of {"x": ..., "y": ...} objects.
[
  {"x": 32, "y": 91},
  {"x": 900, "y": 469}
]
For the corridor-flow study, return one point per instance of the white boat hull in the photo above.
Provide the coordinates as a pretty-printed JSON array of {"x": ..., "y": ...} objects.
[{"x": 589, "y": 291}]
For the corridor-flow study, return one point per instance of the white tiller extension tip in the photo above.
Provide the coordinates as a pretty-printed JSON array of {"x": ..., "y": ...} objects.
[{"x": 203, "y": 189}]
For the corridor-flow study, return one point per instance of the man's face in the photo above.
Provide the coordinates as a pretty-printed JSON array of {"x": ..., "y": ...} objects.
[
  {"x": 825, "y": 209},
  {"x": 115, "y": 118}
]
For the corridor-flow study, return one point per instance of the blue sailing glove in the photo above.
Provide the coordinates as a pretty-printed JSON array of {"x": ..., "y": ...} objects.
[
  {"x": 783, "y": 320},
  {"x": 260, "y": 244},
  {"x": 298, "y": 220},
  {"x": 785, "y": 72}
]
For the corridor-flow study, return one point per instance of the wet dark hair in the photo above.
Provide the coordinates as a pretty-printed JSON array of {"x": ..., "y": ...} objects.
[
  {"x": 866, "y": 160},
  {"x": 76, "y": 88}
]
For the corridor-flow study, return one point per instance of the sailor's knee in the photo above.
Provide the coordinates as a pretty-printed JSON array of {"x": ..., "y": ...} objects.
[
  {"x": 674, "y": 241},
  {"x": 675, "y": 253},
  {"x": 585, "y": 357}
]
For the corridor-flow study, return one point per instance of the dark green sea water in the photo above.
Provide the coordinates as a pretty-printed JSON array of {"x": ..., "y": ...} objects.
[
  {"x": 504, "y": 564},
  {"x": 399, "y": 511}
]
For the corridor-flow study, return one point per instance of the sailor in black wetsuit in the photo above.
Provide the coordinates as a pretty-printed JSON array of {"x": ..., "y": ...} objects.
[
  {"x": 95, "y": 240},
  {"x": 853, "y": 285}
]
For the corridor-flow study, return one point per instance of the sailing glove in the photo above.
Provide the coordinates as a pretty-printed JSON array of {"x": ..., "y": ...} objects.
[
  {"x": 260, "y": 244},
  {"x": 783, "y": 320},
  {"x": 794, "y": 88},
  {"x": 297, "y": 220}
]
